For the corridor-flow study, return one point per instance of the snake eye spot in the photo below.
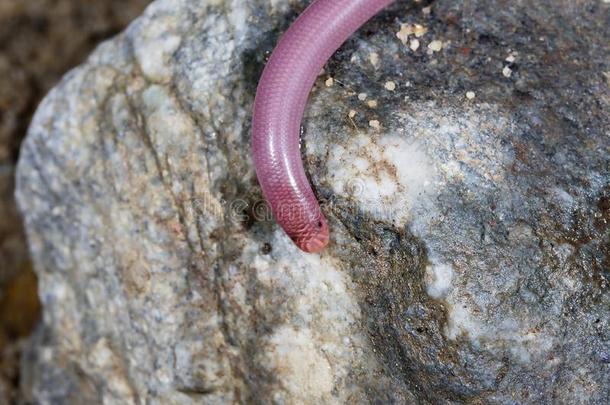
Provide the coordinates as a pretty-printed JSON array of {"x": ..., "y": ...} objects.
[{"x": 319, "y": 224}]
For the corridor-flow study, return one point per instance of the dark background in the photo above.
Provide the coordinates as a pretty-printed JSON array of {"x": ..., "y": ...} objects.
[{"x": 39, "y": 41}]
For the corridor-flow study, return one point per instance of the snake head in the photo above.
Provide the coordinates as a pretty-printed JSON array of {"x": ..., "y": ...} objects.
[{"x": 314, "y": 238}]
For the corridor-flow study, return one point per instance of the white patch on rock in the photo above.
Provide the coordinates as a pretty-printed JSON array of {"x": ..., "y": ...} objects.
[
  {"x": 154, "y": 44},
  {"x": 109, "y": 365},
  {"x": 386, "y": 176},
  {"x": 296, "y": 356},
  {"x": 438, "y": 279},
  {"x": 525, "y": 344}
]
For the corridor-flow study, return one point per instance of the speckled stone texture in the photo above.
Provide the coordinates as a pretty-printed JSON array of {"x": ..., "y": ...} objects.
[
  {"x": 462, "y": 150},
  {"x": 39, "y": 41}
]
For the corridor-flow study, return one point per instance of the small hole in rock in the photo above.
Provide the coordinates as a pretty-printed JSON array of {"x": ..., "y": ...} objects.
[{"x": 266, "y": 249}]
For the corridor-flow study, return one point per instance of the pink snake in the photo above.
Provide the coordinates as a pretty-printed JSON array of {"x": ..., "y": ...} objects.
[{"x": 279, "y": 106}]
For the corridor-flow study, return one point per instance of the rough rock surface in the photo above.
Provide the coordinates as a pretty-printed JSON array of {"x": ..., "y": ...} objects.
[
  {"x": 464, "y": 163},
  {"x": 39, "y": 41}
]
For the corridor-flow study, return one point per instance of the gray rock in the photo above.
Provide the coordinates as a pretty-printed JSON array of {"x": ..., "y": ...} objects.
[{"x": 469, "y": 203}]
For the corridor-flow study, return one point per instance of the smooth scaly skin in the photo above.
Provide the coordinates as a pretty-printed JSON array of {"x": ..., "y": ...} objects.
[{"x": 278, "y": 109}]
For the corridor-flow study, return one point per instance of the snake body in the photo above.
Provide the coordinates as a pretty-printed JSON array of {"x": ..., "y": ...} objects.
[{"x": 279, "y": 105}]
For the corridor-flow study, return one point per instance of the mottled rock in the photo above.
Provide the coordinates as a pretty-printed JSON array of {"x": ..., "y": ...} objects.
[
  {"x": 39, "y": 41},
  {"x": 469, "y": 205}
]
